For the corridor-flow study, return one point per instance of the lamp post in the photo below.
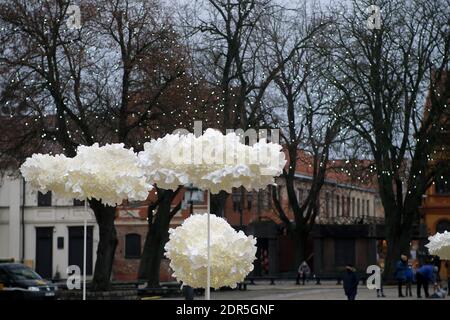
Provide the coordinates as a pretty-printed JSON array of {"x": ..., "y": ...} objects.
[
  {"x": 86, "y": 212},
  {"x": 191, "y": 195}
]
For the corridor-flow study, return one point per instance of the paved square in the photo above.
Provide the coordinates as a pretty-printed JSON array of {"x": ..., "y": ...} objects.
[{"x": 289, "y": 291}]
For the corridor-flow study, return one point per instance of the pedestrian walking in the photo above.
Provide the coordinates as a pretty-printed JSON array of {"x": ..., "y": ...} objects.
[
  {"x": 424, "y": 276},
  {"x": 400, "y": 276},
  {"x": 350, "y": 281},
  {"x": 380, "y": 291},
  {"x": 303, "y": 271},
  {"x": 409, "y": 279},
  {"x": 188, "y": 293}
]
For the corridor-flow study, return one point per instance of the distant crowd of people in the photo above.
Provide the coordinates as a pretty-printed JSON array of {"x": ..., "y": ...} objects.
[
  {"x": 405, "y": 275},
  {"x": 422, "y": 276}
]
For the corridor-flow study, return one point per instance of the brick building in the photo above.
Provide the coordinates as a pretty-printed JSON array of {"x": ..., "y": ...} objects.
[
  {"x": 345, "y": 202},
  {"x": 131, "y": 225},
  {"x": 435, "y": 208}
]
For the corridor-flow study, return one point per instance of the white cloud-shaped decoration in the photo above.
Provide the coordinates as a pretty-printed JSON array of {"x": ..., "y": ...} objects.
[
  {"x": 439, "y": 245},
  {"x": 232, "y": 253},
  {"x": 110, "y": 173},
  {"x": 45, "y": 172},
  {"x": 212, "y": 161}
]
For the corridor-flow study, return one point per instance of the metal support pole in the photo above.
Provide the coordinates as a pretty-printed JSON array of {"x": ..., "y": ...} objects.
[{"x": 84, "y": 248}]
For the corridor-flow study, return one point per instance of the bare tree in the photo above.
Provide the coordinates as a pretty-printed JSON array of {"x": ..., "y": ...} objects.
[
  {"x": 384, "y": 75},
  {"x": 229, "y": 40},
  {"x": 115, "y": 79},
  {"x": 304, "y": 107}
]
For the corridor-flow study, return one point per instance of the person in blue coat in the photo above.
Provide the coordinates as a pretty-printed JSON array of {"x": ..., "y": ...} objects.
[
  {"x": 425, "y": 275},
  {"x": 350, "y": 281},
  {"x": 400, "y": 273},
  {"x": 409, "y": 275}
]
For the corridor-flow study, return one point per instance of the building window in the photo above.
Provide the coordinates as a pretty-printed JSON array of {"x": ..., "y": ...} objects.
[
  {"x": 338, "y": 205},
  {"x": 78, "y": 203},
  {"x": 343, "y": 205},
  {"x": 348, "y": 207},
  {"x": 353, "y": 207},
  {"x": 368, "y": 207},
  {"x": 357, "y": 207},
  {"x": 132, "y": 246},
  {"x": 442, "y": 183},
  {"x": 327, "y": 204},
  {"x": 44, "y": 199},
  {"x": 332, "y": 204}
]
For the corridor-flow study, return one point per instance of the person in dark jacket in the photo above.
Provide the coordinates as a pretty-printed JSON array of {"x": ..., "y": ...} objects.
[
  {"x": 424, "y": 275},
  {"x": 188, "y": 292},
  {"x": 350, "y": 281},
  {"x": 303, "y": 272},
  {"x": 400, "y": 273}
]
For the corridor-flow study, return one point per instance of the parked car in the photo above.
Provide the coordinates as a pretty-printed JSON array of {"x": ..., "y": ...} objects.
[{"x": 18, "y": 281}]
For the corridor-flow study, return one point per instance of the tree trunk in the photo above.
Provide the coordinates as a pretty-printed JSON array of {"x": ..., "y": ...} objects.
[
  {"x": 300, "y": 240},
  {"x": 157, "y": 236},
  {"x": 398, "y": 236},
  {"x": 106, "y": 249},
  {"x": 397, "y": 244}
]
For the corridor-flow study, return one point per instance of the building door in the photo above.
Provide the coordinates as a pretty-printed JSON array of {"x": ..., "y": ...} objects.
[
  {"x": 76, "y": 238},
  {"x": 44, "y": 251},
  {"x": 344, "y": 252},
  {"x": 262, "y": 254}
]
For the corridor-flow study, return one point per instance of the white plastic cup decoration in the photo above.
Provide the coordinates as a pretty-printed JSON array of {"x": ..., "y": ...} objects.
[
  {"x": 232, "y": 253},
  {"x": 110, "y": 173},
  {"x": 45, "y": 173},
  {"x": 439, "y": 245},
  {"x": 212, "y": 161}
]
